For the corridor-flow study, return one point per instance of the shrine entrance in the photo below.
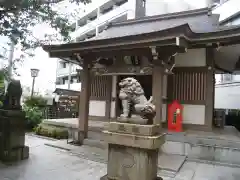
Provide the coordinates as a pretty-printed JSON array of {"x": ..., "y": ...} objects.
[{"x": 144, "y": 80}]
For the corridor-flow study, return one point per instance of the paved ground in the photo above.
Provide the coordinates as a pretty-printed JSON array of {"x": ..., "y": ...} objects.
[{"x": 47, "y": 163}]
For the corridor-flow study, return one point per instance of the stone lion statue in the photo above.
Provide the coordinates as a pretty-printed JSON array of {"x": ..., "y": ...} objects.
[
  {"x": 134, "y": 102},
  {"x": 13, "y": 95}
]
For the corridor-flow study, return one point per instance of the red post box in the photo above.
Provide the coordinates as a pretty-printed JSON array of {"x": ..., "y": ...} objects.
[{"x": 175, "y": 116}]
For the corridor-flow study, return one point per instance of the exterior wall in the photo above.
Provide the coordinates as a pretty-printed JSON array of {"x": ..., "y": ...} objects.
[
  {"x": 227, "y": 96},
  {"x": 99, "y": 99},
  {"x": 188, "y": 85},
  {"x": 97, "y": 108},
  {"x": 223, "y": 9},
  {"x": 192, "y": 58},
  {"x": 193, "y": 114}
]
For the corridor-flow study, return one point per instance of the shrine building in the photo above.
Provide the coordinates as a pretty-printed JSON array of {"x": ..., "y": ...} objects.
[{"x": 174, "y": 57}]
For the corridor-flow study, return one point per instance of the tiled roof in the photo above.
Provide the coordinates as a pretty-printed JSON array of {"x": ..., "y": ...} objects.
[{"x": 198, "y": 20}]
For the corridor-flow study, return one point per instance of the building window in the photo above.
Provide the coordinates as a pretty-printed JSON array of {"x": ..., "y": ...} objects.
[
  {"x": 93, "y": 18},
  {"x": 222, "y": 1},
  {"x": 143, "y": 3},
  {"x": 121, "y": 2},
  {"x": 226, "y": 78},
  {"x": 64, "y": 65},
  {"x": 65, "y": 80},
  {"x": 104, "y": 11},
  {"x": 74, "y": 79}
]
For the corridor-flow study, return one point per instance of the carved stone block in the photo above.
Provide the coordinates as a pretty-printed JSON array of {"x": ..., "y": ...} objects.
[
  {"x": 126, "y": 163},
  {"x": 138, "y": 141},
  {"x": 144, "y": 130}
]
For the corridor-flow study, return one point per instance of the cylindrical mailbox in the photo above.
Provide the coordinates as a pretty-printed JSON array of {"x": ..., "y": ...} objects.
[{"x": 175, "y": 116}]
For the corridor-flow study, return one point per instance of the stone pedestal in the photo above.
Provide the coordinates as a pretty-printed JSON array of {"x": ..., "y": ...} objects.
[
  {"x": 132, "y": 151},
  {"x": 12, "y": 136}
]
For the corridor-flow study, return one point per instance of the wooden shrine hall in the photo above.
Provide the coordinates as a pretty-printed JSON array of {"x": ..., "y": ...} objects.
[{"x": 174, "y": 57}]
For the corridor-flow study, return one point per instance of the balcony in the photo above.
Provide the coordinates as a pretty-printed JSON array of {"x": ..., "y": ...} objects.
[
  {"x": 102, "y": 19},
  {"x": 65, "y": 72},
  {"x": 75, "y": 86}
]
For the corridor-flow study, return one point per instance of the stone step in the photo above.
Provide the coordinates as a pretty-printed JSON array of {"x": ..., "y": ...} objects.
[
  {"x": 95, "y": 143},
  {"x": 200, "y": 147},
  {"x": 222, "y": 154},
  {"x": 168, "y": 165},
  {"x": 222, "y": 151}
]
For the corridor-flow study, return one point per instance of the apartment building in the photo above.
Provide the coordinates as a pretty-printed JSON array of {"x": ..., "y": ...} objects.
[{"x": 99, "y": 15}]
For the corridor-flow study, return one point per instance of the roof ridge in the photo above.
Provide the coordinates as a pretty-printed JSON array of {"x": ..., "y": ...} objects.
[{"x": 162, "y": 16}]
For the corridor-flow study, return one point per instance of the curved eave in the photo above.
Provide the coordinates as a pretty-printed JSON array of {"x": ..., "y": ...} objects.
[{"x": 168, "y": 37}]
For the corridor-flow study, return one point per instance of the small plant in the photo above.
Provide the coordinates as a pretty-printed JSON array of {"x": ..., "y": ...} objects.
[
  {"x": 33, "y": 107},
  {"x": 34, "y": 116},
  {"x": 50, "y": 131}
]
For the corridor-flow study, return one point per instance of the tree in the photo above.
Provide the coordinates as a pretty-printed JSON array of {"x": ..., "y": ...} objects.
[{"x": 18, "y": 17}]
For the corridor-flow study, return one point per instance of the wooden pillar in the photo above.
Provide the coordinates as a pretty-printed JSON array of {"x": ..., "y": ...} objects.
[
  {"x": 210, "y": 87},
  {"x": 157, "y": 92},
  {"x": 109, "y": 98},
  {"x": 84, "y": 101}
]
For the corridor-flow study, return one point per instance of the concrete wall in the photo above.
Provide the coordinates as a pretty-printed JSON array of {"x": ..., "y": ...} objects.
[
  {"x": 97, "y": 108},
  {"x": 193, "y": 114},
  {"x": 224, "y": 9},
  {"x": 227, "y": 96},
  {"x": 156, "y": 7}
]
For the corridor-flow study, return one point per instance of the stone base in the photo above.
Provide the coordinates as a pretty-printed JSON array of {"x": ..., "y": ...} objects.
[
  {"x": 16, "y": 154},
  {"x": 132, "y": 151},
  {"x": 106, "y": 178},
  {"x": 12, "y": 136},
  {"x": 130, "y": 163}
]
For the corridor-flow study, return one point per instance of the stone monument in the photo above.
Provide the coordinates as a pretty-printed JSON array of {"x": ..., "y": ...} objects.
[
  {"x": 133, "y": 141},
  {"x": 12, "y": 125}
]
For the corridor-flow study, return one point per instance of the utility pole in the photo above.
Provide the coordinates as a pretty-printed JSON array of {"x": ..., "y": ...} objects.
[
  {"x": 10, "y": 58},
  {"x": 69, "y": 75}
]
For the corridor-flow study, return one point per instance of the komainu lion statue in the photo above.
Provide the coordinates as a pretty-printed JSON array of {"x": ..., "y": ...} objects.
[
  {"x": 134, "y": 102},
  {"x": 13, "y": 95}
]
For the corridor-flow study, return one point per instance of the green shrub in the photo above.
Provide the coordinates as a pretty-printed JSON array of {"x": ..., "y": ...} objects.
[
  {"x": 34, "y": 116},
  {"x": 51, "y": 131},
  {"x": 33, "y": 108},
  {"x": 35, "y": 101}
]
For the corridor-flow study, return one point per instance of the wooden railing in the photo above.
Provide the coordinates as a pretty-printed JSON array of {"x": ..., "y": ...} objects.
[
  {"x": 188, "y": 85},
  {"x": 99, "y": 87}
]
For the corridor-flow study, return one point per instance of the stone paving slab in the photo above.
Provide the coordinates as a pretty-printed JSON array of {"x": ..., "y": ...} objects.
[
  {"x": 166, "y": 162},
  {"x": 171, "y": 162}
]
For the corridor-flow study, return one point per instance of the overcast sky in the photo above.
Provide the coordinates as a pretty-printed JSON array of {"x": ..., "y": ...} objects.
[{"x": 47, "y": 66}]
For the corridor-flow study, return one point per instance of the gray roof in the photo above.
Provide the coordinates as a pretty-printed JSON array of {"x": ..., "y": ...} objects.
[{"x": 199, "y": 21}]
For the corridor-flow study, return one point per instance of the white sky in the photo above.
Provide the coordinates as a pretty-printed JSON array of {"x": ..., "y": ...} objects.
[{"x": 47, "y": 66}]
